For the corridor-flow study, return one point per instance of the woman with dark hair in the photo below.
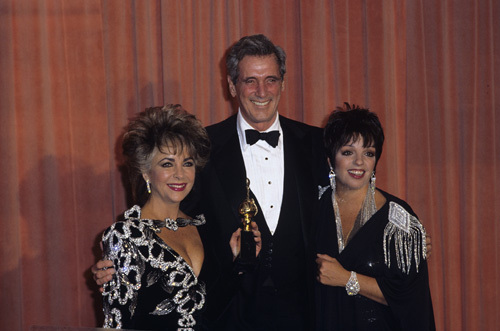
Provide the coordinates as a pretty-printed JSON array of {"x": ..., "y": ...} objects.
[
  {"x": 370, "y": 245},
  {"x": 157, "y": 251}
]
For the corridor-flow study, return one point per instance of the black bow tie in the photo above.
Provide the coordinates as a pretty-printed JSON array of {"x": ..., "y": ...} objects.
[{"x": 271, "y": 137}]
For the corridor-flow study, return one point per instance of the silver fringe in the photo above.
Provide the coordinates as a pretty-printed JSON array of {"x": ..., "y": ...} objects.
[
  {"x": 408, "y": 235},
  {"x": 338, "y": 223}
]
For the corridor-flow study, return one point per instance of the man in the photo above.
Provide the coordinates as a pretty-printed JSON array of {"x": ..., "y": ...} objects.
[{"x": 284, "y": 176}]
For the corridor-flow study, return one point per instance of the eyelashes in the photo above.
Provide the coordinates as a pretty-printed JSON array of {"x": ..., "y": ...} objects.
[
  {"x": 170, "y": 164},
  {"x": 349, "y": 153}
]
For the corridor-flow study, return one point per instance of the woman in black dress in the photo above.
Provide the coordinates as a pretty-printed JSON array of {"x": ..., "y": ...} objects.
[
  {"x": 370, "y": 245},
  {"x": 156, "y": 251}
]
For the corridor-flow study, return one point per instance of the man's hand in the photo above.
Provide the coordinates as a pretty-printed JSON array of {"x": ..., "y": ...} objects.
[
  {"x": 103, "y": 272},
  {"x": 235, "y": 241},
  {"x": 428, "y": 244}
]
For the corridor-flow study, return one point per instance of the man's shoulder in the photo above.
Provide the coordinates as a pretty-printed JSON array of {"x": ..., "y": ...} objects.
[
  {"x": 221, "y": 133},
  {"x": 300, "y": 129},
  {"x": 228, "y": 122},
  {"x": 222, "y": 129},
  {"x": 293, "y": 123}
]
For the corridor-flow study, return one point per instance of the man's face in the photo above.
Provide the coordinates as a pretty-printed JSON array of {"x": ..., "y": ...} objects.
[{"x": 258, "y": 90}]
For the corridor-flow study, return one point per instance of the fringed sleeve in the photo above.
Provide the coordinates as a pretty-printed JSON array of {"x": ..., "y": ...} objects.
[
  {"x": 408, "y": 235},
  {"x": 406, "y": 284}
]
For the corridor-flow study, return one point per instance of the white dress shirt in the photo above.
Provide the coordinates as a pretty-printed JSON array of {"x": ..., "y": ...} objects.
[{"x": 265, "y": 169}]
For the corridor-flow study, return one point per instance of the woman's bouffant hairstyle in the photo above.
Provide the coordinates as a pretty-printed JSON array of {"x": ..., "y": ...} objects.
[
  {"x": 154, "y": 129},
  {"x": 350, "y": 123},
  {"x": 256, "y": 45}
]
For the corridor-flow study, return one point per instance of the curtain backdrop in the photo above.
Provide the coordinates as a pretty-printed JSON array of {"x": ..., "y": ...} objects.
[{"x": 72, "y": 72}]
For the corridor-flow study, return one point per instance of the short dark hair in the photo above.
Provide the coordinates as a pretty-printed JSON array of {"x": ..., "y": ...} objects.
[
  {"x": 350, "y": 123},
  {"x": 156, "y": 128},
  {"x": 256, "y": 45}
]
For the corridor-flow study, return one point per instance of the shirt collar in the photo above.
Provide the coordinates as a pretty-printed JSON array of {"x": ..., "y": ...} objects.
[{"x": 242, "y": 125}]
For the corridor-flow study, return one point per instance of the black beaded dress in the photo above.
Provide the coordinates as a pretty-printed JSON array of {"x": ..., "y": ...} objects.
[
  {"x": 153, "y": 288},
  {"x": 390, "y": 247}
]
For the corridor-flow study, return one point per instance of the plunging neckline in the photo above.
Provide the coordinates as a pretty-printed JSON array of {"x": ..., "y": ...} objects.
[
  {"x": 368, "y": 222},
  {"x": 135, "y": 213},
  {"x": 174, "y": 252}
]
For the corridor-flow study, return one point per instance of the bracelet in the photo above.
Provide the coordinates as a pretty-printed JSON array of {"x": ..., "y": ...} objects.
[{"x": 352, "y": 286}]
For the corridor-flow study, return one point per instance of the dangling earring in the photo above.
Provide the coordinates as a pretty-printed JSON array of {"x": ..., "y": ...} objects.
[
  {"x": 331, "y": 176},
  {"x": 372, "y": 182},
  {"x": 369, "y": 208},
  {"x": 148, "y": 186}
]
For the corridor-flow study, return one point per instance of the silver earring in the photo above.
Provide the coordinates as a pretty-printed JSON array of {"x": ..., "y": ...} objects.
[
  {"x": 148, "y": 186},
  {"x": 372, "y": 182},
  {"x": 331, "y": 176}
]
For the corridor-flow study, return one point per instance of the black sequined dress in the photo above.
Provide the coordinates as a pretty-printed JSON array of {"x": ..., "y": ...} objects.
[
  {"x": 153, "y": 288},
  {"x": 390, "y": 247}
]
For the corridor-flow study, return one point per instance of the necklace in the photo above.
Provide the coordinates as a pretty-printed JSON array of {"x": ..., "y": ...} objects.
[
  {"x": 175, "y": 224},
  {"x": 368, "y": 209},
  {"x": 169, "y": 223}
]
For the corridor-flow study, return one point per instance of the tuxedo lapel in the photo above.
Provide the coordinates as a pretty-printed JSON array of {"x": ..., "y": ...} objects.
[
  {"x": 229, "y": 166},
  {"x": 232, "y": 174},
  {"x": 297, "y": 158}
]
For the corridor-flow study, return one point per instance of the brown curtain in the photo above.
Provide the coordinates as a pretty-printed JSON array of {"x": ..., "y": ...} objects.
[{"x": 72, "y": 72}]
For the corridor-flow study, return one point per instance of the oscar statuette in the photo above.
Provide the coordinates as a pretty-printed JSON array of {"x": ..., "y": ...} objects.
[{"x": 248, "y": 209}]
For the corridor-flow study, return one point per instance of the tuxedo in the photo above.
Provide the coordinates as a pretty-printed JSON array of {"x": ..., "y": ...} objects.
[{"x": 274, "y": 295}]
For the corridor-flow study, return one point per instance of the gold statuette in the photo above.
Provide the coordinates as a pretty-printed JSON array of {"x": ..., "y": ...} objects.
[{"x": 248, "y": 209}]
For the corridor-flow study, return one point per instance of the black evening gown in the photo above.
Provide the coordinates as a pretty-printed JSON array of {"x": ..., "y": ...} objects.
[
  {"x": 154, "y": 288},
  {"x": 401, "y": 274}
]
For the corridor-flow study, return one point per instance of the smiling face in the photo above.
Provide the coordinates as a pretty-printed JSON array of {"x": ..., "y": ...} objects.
[
  {"x": 258, "y": 90},
  {"x": 171, "y": 175},
  {"x": 354, "y": 165}
]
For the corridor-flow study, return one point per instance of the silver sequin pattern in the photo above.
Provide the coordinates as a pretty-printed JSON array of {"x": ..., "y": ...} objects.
[
  {"x": 122, "y": 242},
  {"x": 408, "y": 235}
]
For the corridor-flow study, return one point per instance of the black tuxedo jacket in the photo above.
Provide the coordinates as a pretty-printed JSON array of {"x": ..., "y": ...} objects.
[{"x": 274, "y": 295}]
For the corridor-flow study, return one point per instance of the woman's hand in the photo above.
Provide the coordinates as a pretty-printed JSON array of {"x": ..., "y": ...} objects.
[
  {"x": 235, "y": 241},
  {"x": 330, "y": 271}
]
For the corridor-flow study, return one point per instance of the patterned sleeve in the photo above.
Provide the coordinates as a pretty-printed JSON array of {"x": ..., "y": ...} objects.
[
  {"x": 120, "y": 294},
  {"x": 406, "y": 284}
]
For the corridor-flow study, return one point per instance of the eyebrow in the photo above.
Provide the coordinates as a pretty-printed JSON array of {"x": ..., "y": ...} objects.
[
  {"x": 267, "y": 77},
  {"x": 352, "y": 145},
  {"x": 171, "y": 159}
]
